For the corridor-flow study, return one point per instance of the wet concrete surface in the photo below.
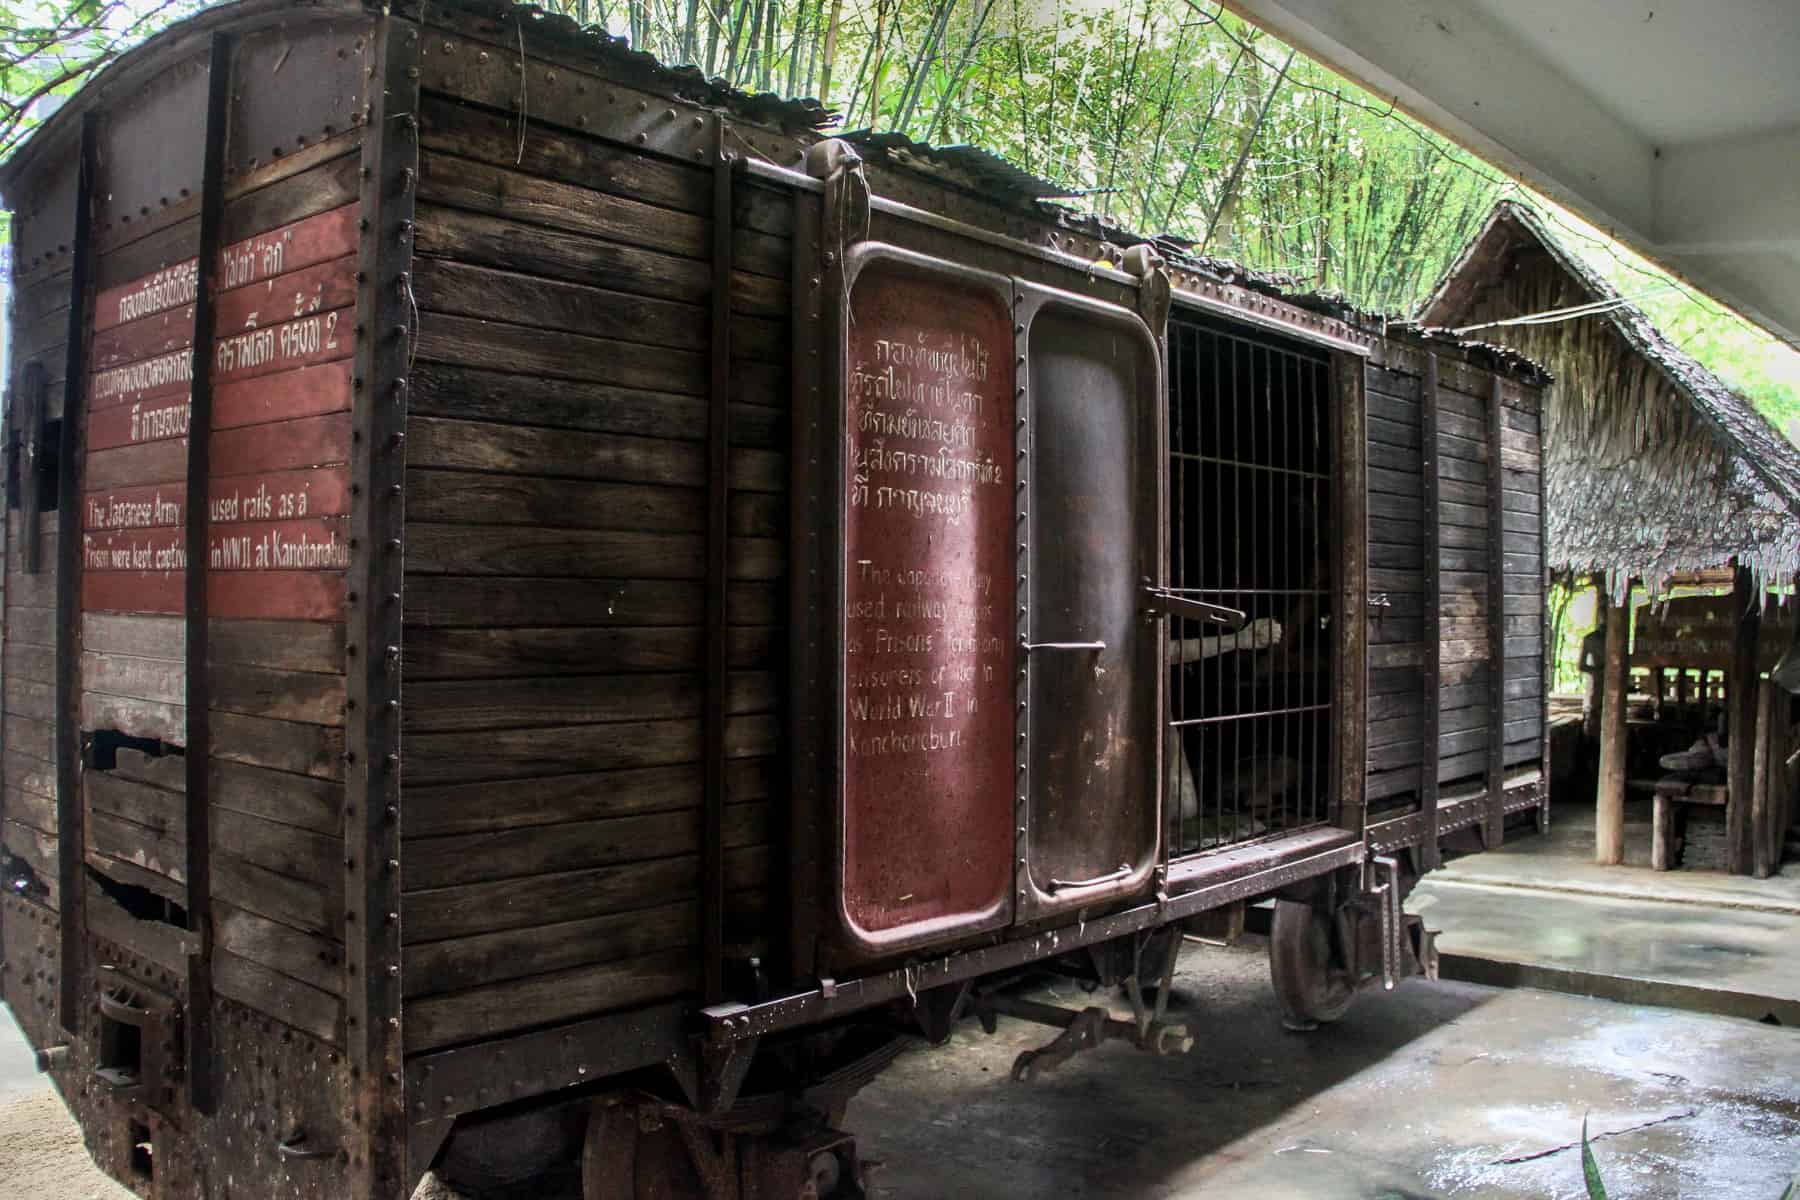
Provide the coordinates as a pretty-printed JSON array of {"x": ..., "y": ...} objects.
[
  {"x": 1563, "y": 861},
  {"x": 1437, "y": 1090},
  {"x": 1539, "y": 912}
]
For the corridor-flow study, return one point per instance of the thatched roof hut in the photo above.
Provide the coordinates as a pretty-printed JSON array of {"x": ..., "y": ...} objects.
[{"x": 1654, "y": 465}]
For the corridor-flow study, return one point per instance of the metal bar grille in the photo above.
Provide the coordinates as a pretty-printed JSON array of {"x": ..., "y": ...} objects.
[{"x": 1251, "y": 474}]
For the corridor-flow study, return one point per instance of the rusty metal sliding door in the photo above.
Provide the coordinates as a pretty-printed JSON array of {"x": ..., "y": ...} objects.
[
  {"x": 1090, "y": 823},
  {"x": 1253, "y": 472}
]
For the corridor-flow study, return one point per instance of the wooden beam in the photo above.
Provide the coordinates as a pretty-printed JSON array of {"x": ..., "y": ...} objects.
[
  {"x": 1740, "y": 695},
  {"x": 1609, "y": 800},
  {"x": 1764, "y": 804}
]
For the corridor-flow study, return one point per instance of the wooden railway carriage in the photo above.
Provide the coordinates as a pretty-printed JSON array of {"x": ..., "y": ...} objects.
[{"x": 681, "y": 600}]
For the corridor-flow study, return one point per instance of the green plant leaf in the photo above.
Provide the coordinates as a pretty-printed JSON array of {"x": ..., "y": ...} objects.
[{"x": 1590, "y": 1170}]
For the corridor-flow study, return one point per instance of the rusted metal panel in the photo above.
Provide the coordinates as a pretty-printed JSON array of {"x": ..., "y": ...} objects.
[
  {"x": 928, "y": 557},
  {"x": 1093, "y": 688},
  {"x": 299, "y": 83},
  {"x": 149, "y": 158}
]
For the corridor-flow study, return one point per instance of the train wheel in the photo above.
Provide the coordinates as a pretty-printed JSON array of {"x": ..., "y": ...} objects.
[{"x": 1312, "y": 984}]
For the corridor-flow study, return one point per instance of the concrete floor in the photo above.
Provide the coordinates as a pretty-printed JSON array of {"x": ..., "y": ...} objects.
[
  {"x": 1436, "y": 1090},
  {"x": 1538, "y": 912}
]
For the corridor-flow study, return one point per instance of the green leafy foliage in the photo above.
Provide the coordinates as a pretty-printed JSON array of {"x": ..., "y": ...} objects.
[
  {"x": 1590, "y": 1170},
  {"x": 1168, "y": 116}
]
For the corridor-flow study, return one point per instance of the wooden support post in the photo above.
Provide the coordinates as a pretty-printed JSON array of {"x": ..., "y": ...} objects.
[
  {"x": 1609, "y": 799},
  {"x": 1764, "y": 804},
  {"x": 1740, "y": 694},
  {"x": 1662, "y": 834}
]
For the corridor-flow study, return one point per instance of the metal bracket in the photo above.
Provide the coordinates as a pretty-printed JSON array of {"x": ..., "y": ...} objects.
[
  {"x": 936, "y": 1011},
  {"x": 1081, "y": 1030},
  {"x": 1169, "y": 604},
  {"x": 1388, "y": 895},
  {"x": 293, "y": 1147}
]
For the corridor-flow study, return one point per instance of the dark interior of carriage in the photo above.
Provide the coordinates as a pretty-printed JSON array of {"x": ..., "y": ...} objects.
[{"x": 1251, "y": 485}]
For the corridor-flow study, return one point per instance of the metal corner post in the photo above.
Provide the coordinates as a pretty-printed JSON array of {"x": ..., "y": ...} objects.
[
  {"x": 199, "y": 472},
  {"x": 1495, "y": 827},
  {"x": 718, "y": 542},
  {"x": 1430, "y": 853},
  {"x": 1352, "y": 734},
  {"x": 386, "y": 333},
  {"x": 70, "y": 826}
]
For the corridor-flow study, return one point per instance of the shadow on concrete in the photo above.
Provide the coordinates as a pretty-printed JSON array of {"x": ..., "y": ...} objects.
[{"x": 1117, "y": 1121}]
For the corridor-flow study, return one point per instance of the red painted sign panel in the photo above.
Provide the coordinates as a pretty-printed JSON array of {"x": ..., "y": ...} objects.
[
  {"x": 929, "y": 626},
  {"x": 280, "y": 432}
]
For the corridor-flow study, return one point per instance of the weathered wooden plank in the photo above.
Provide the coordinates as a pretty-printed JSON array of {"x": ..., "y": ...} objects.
[
  {"x": 311, "y": 959},
  {"x": 492, "y": 138},
  {"x": 160, "y": 853},
  {"x": 567, "y": 454},
  {"x": 157, "y": 679},
  {"x": 284, "y": 849},
  {"x": 289, "y": 1001},
  {"x": 447, "y": 601},
  {"x": 156, "y": 809},
  {"x": 437, "y": 1021},
  {"x": 472, "y": 705},
  {"x": 560, "y": 750},
  {"x": 567, "y": 553},
  {"x": 474, "y": 858},
  {"x": 492, "y": 345},
  {"x": 534, "y": 901},
  {"x": 492, "y": 294},
  {"x": 484, "y": 807},
  {"x": 293, "y": 902},
  {"x": 497, "y": 242},
  {"x": 34, "y": 739},
  {"x": 305, "y": 696},
  {"x": 464, "y": 497},
  {"x": 33, "y": 775},
  {"x": 300, "y": 749},
  {"x": 437, "y": 653},
  {"x": 157, "y": 941},
  {"x": 29, "y": 808},
  {"x": 277, "y": 645},
  {"x": 35, "y": 700},
  {"x": 504, "y": 398},
  {"x": 154, "y": 719},
  {"x": 457, "y": 963},
  {"x": 28, "y": 663}
]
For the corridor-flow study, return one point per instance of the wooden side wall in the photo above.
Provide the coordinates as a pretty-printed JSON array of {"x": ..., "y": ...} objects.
[
  {"x": 277, "y": 492},
  {"x": 556, "y": 475},
  {"x": 43, "y": 233},
  {"x": 1398, "y": 652}
]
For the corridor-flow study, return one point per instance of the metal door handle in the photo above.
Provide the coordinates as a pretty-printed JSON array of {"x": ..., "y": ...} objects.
[
  {"x": 1059, "y": 885},
  {"x": 1169, "y": 604},
  {"x": 1062, "y": 645}
]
